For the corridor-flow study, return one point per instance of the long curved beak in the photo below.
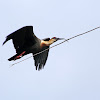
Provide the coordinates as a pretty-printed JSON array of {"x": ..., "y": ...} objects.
[{"x": 60, "y": 38}]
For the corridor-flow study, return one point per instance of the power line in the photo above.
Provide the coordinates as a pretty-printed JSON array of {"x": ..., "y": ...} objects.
[{"x": 57, "y": 44}]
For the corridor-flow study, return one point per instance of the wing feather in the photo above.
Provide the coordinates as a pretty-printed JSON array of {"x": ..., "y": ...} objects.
[
  {"x": 40, "y": 59},
  {"x": 22, "y": 38}
]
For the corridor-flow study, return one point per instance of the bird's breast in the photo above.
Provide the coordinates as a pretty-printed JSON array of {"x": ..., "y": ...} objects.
[{"x": 43, "y": 44}]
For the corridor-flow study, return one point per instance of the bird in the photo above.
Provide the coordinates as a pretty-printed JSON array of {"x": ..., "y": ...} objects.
[{"x": 26, "y": 42}]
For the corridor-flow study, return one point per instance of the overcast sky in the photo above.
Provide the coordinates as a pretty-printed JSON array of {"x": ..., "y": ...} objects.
[{"x": 72, "y": 71}]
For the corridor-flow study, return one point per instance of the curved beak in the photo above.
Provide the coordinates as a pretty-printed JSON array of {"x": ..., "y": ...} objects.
[{"x": 60, "y": 38}]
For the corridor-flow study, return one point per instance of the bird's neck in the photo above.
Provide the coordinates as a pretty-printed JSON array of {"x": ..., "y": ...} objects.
[{"x": 47, "y": 43}]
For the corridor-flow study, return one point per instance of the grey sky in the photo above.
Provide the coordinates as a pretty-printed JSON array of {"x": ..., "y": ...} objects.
[{"x": 72, "y": 71}]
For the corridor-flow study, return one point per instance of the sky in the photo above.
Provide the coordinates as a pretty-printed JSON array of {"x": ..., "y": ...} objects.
[{"x": 72, "y": 71}]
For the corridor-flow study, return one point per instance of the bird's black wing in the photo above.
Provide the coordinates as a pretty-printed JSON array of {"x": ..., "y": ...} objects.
[
  {"x": 41, "y": 59},
  {"x": 22, "y": 38}
]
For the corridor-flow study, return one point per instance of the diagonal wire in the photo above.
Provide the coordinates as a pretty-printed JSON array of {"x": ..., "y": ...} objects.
[{"x": 57, "y": 45}]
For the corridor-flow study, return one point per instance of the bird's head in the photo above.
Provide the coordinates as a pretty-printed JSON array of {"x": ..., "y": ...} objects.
[
  {"x": 56, "y": 39},
  {"x": 51, "y": 41}
]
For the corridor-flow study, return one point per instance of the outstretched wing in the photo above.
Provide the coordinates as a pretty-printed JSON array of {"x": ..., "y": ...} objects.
[
  {"x": 41, "y": 59},
  {"x": 22, "y": 38}
]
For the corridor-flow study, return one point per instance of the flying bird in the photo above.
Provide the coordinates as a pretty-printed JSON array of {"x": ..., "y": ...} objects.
[{"x": 25, "y": 42}]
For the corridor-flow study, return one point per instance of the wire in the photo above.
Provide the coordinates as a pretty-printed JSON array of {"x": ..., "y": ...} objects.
[{"x": 57, "y": 44}]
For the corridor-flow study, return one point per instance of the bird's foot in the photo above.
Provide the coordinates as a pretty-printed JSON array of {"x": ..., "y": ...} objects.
[{"x": 18, "y": 57}]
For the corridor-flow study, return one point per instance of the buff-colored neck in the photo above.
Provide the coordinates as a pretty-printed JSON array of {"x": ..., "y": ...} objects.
[{"x": 47, "y": 43}]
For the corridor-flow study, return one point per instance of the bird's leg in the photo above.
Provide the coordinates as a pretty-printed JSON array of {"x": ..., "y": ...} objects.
[{"x": 19, "y": 56}]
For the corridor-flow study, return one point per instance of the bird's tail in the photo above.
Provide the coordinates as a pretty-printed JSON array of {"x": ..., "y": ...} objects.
[
  {"x": 10, "y": 36},
  {"x": 13, "y": 57},
  {"x": 17, "y": 56}
]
